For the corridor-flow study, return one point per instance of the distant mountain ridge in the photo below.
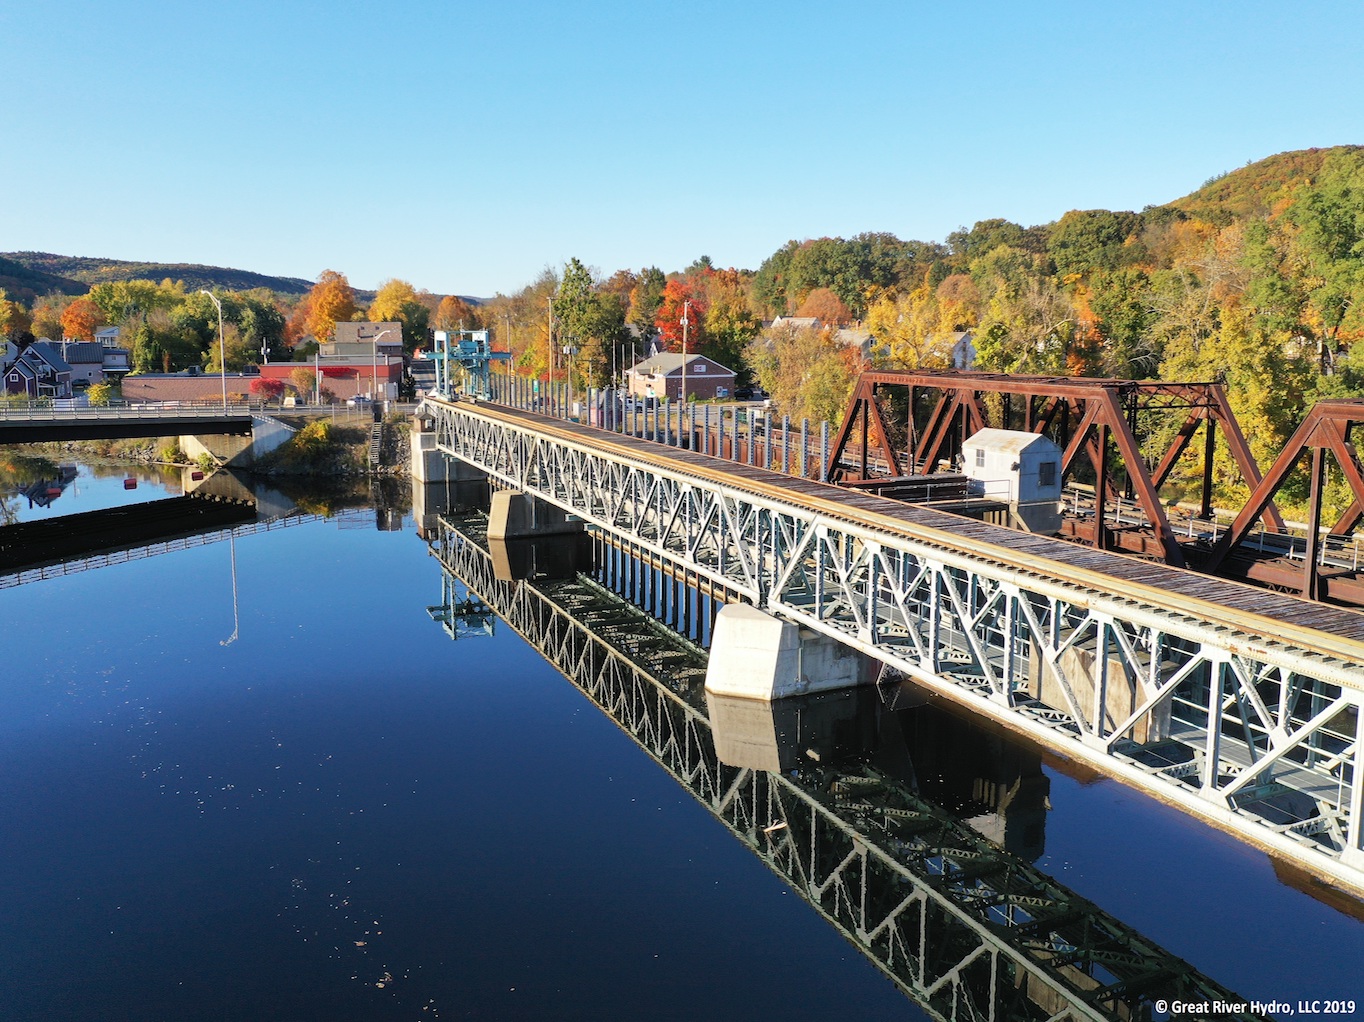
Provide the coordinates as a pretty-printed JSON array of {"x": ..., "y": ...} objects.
[{"x": 84, "y": 270}]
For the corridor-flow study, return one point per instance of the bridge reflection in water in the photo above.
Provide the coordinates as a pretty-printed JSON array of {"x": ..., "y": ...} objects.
[{"x": 824, "y": 791}]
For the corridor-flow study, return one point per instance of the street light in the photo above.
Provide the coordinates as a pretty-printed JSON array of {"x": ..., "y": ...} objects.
[
  {"x": 550, "y": 300},
  {"x": 222, "y": 346},
  {"x": 374, "y": 363}
]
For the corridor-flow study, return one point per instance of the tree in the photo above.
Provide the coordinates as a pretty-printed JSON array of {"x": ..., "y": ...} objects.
[
  {"x": 808, "y": 374},
  {"x": 454, "y": 313},
  {"x": 645, "y": 298},
  {"x": 676, "y": 294},
  {"x": 47, "y": 316},
  {"x": 909, "y": 330},
  {"x": 331, "y": 301},
  {"x": 99, "y": 394},
  {"x": 304, "y": 381},
  {"x": 728, "y": 323},
  {"x": 14, "y": 321},
  {"x": 397, "y": 302},
  {"x": 81, "y": 319},
  {"x": 825, "y": 306},
  {"x": 267, "y": 389}
]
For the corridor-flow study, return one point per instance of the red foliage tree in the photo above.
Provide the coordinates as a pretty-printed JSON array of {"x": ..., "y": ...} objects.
[
  {"x": 669, "y": 318},
  {"x": 267, "y": 389}
]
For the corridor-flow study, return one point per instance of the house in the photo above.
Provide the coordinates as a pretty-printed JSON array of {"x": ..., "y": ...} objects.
[
  {"x": 117, "y": 359},
  {"x": 661, "y": 376},
  {"x": 39, "y": 371},
  {"x": 359, "y": 339},
  {"x": 856, "y": 337},
  {"x": 86, "y": 359},
  {"x": 963, "y": 351},
  {"x": 797, "y": 322}
]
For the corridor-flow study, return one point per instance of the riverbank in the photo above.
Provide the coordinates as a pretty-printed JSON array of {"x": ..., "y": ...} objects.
[{"x": 320, "y": 447}]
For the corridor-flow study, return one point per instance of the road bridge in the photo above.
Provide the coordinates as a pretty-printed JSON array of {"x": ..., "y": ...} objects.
[
  {"x": 1239, "y": 705},
  {"x": 966, "y": 929}
]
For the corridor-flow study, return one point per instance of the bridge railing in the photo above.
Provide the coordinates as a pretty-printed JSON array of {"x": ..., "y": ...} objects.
[
  {"x": 1095, "y": 655},
  {"x": 161, "y": 410}
]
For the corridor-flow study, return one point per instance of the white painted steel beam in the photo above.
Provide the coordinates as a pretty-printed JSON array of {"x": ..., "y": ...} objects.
[{"x": 1253, "y": 731}]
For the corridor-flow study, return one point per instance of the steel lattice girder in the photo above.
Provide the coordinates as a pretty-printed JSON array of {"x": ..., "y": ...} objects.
[
  {"x": 1250, "y": 731},
  {"x": 967, "y": 930}
]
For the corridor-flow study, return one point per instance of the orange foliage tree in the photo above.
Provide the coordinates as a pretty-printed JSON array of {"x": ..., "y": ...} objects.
[
  {"x": 331, "y": 301},
  {"x": 454, "y": 313},
  {"x": 825, "y": 306},
  {"x": 81, "y": 319}
]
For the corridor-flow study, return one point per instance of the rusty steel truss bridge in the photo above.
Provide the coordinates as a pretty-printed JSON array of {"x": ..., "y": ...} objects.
[{"x": 1240, "y": 705}]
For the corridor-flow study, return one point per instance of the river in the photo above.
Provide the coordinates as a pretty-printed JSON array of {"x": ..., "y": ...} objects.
[{"x": 316, "y": 806}]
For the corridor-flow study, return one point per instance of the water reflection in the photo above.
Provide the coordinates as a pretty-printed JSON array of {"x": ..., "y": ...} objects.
[{"x": 827, "y": 791}]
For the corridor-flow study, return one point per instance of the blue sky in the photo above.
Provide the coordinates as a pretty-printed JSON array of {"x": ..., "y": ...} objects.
[{"x": 464, "y": 147}]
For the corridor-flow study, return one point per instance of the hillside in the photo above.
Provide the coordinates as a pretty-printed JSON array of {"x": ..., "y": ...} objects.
[
  {"x": 24, "y": 284},
  {"x": 1258, "y": 189},
  {"x": 88, "y": 271}
]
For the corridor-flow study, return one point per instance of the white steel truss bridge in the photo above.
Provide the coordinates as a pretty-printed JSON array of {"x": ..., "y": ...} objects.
[
  {"x": 967, "y": 930},
  {"x": 1239, "y": 705}
]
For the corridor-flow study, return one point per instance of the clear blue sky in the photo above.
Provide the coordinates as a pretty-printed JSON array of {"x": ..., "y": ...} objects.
[{"x": 466, "y": 146}]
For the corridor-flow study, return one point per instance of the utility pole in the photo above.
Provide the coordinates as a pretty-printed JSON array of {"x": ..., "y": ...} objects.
[{"x": 686, "y": 308}]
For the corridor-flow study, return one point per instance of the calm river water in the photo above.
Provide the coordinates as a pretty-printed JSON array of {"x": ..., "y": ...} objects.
[{"x": 344, "y": 815}]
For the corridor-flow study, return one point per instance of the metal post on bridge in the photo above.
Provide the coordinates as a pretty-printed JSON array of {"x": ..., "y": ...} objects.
[
  {"x": 824, "y": 451},
  {"x": 767, "y": 447},
  {"x": 705, "y": 426},
  {"x": 804, "y": 448},
  {"x": 786, "y": 444},
  {"x": 720, "y": 436},
  {"x": 752, "y": 453}
]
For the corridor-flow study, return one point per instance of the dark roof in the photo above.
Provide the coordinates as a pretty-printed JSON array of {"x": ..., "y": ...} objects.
[
  {"x": 49, "y": 353},
  {"x": 84, "y": 351}
]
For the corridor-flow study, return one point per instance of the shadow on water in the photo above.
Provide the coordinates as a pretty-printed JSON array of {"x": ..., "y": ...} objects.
[
  {"x": 906, "y": 828},
  {"x": 208, "y": 508}
]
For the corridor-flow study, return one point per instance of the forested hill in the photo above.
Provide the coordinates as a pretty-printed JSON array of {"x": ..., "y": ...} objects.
[
  {"x": 1259, "y": 189},
  {"x": 25, "y": 283},
  {"x": 89, "y": 271}
]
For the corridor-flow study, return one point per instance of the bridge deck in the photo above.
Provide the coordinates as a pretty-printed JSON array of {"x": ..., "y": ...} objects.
[{"x": 1213, "y": 600}]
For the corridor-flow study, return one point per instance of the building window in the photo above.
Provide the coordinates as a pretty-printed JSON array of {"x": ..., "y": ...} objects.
[
  {"x": 700, "y": 367},
  {"x": 980, "y": 457},
  {"x": 1046, "y": 473}
]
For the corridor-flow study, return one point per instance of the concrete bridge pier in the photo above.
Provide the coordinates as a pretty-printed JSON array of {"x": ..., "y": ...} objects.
[
  {"x": 237, "y": 451},
  {"x": 517, "y": 515},
  {"x": 754, "y": 655}
]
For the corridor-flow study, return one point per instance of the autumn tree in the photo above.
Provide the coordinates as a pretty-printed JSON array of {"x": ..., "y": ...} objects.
[
  {"x": 397, "y": 302},
  {"x": 81, "y": 319},
  {"x": 908, "y": 330},
  {"x": 825, "y": 306},
  {"x": 331, "y": 301},
  {"x": 304, "y": 381},
  {"x": 679, "y": 297},
  {"x": 809, "y": 375},
  {"x": 729, "y": 323},
  {"x": 14, "y": 320},
  {"x": 454, "y": 313},
  {"x": 267, "y": 389},
  {"x": 47, "y": 316}
]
